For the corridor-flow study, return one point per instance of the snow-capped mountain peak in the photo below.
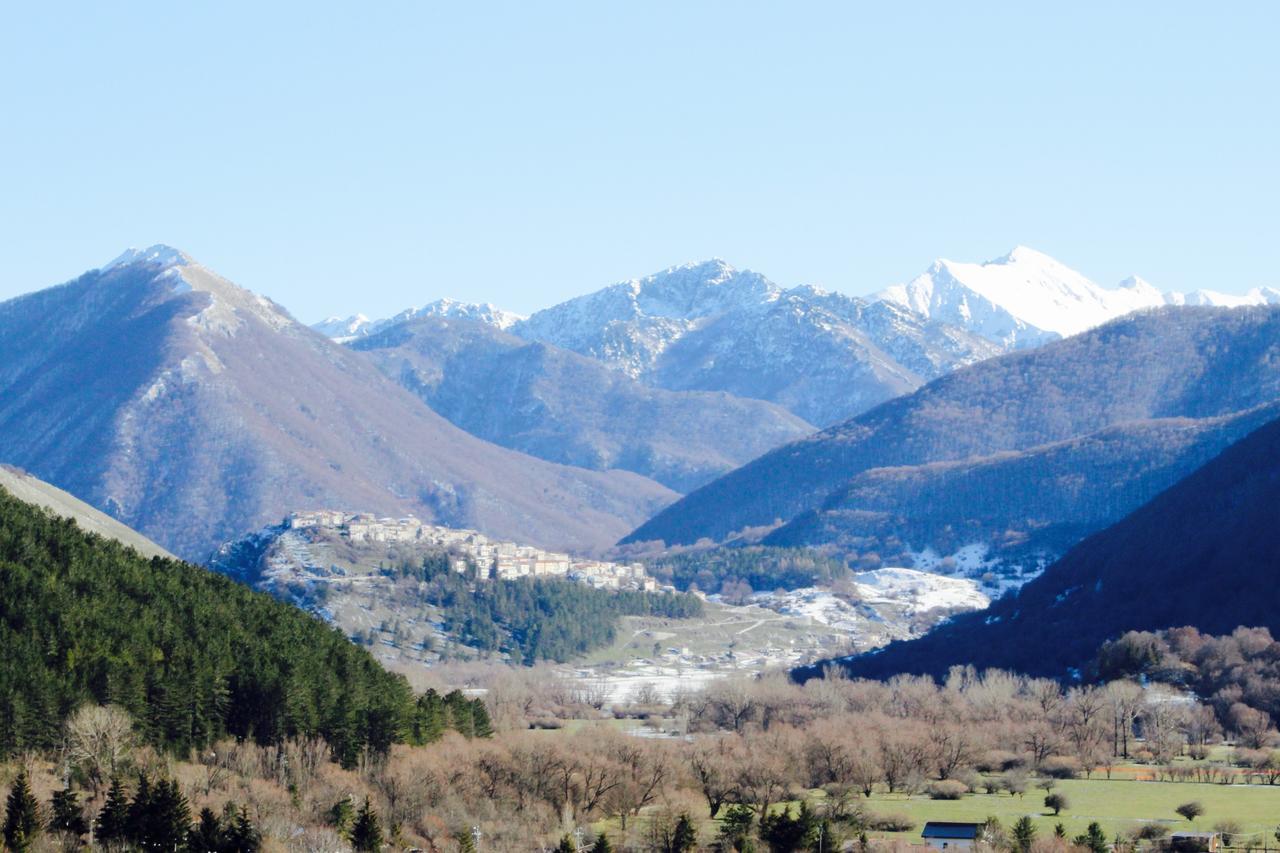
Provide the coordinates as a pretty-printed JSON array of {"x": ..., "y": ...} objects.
[
  {"x": 1023, "y": 298},
  {"x": 628, "y": 325},
  {"x": 159, "y": 254},
  {"x": 344, "y": 329}
]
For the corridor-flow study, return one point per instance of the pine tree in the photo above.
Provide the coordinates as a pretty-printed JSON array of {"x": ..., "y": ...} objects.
[
  {"x": 68, "y": 816},
  {"x": 480, "y": 721},
  {"x": 170, "y": 817},
  {"x": 685, "y": 837},
  {"x": 22, "y": 822},
  {"x": 565, "y": 845},
  {"x": 341, "y": 815},
  {"x": 1024, "y": 832},
  {"x": 110, "y": 827},
  {"x": 461, "y": 714},
  {"x": 366, "y": 835},
  {"x": 206, "y": 837},
  {"x": 1094, "y": 838},
  {"x": 137, "y": 821},
  {"x": 602, "y": 844},
  {"x": 241, "y": 836}
]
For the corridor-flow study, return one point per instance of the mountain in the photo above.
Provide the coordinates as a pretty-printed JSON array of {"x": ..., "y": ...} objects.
[
  {"x": 710, "y": 327},
  {"x": 28, "y": 489},
  {"x": 1104, "y": 404},
  {"x": 567, "y": 408},
  {"x": 1007, "y": 515},
  {"x": 1027, "y": 298},
  {"x": 345, "y": 329},
  {"x": 1202, "y": 553},
  {"x": 194, "y": 411},
  {"x": 193, "y": 656}
]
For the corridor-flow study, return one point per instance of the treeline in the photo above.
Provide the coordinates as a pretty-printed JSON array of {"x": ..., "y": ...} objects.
[
  {"x": 156, "y": 818},
  {"x": 533, "y": 619},
  {"x": 760, "y": 567},
  {"x": 1237, "y": 675},
  {"x": 191, "y": 655}
]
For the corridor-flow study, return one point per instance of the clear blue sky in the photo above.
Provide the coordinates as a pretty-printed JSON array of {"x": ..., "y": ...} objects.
[{"x": 370, "y": 156}]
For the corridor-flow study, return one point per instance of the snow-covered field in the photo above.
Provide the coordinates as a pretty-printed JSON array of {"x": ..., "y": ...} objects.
[{"x": 919, "y": 592}]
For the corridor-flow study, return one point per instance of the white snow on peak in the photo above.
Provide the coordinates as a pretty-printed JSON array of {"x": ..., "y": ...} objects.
[
  {"x": 1026, "y": 297},
  {"x": 343, "y": 329},
  {"x": 1256, "y": 296},
  {"x": 1023, "y": 298},
  {"x": 159, "y": 255}
]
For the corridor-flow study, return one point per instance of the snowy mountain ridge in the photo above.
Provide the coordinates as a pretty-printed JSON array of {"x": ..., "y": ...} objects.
[
  {"x": 345, "y": 329},
  {"x": 1026, "y": 298}
]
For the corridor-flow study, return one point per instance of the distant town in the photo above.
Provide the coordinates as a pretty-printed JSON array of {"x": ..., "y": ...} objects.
[{"x": 500, "y": 560}]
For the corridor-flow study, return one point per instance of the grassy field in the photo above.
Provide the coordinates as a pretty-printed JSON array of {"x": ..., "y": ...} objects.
[{"x": 1117, "y": 805}]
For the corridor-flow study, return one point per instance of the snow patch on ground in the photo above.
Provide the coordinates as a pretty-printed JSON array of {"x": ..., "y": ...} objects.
[{"x": 919, "y": 592}]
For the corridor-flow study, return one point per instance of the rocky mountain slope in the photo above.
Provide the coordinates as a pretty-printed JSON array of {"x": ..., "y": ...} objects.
[
  {"x": 1048, "y": 411},
  {"x": 1202, "y": 553},
  {"x": 194, "y": 411},
  {"x": 36, "y": 492},
  {"x": 710, "y": 327},
  {"x": 557, "y": 405}
]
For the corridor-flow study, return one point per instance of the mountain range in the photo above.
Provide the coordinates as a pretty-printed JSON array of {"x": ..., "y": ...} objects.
[
  {"x": 563, "y": 407},
  {"x": 1014, "y": 458},
  {"x": 194, "y": 411},
  {"x": 1202, "y": 553},
  {"x": 824, "y": 356}
]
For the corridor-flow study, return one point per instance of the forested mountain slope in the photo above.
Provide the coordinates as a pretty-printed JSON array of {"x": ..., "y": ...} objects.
[
  {"x": 1204, "y": 553},
  {"x": 192, "y": 655},
  {"x": 1023, "y": 508},
  {"x": 1160, "y": 365},
  {"x": 563, "y": 407}
]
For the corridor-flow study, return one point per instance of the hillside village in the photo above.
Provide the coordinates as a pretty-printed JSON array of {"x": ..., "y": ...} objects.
[{"x": 495, "y": 560}]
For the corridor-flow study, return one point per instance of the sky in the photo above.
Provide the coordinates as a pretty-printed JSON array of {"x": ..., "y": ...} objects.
[{"x": 367, "y": 157}]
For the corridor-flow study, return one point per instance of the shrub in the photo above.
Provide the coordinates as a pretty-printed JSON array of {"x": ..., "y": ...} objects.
[
  {"x": 1191, "y": 810},
  {"x": 1151, "y": 832},
  {"x": 890, "y": 823},
  {"x": 998, "y": 761},
  {"x": 1060, "y": 767},
  {"x": 1228, "y": 829},
  {"x": 947, "y": 789},
  {"x": 1057, "y": 802}
]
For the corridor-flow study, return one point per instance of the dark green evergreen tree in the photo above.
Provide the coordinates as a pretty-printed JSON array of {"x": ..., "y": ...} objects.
[
  {"x": 481, "y": 724},
  {"x": 170, "y": 819},
  {"x": 1094, "y": 838},
  {"x": 566, "y": 845},
  {"x": 240, "y": 835},
  {"x": 366, "y": 833},
  {"x": 22, "y": 820},
  {"x": 685, "y": 837},
  {"x": 112, "y": 824},
  {"x": 341, "y": 816},
  {"x": 67, "y": 815},
  {"x": 137, "y": 821},
  {"x": 735, "y": 828},
  {"x": 206, "y": 837},
  {"x": 1024, "y": 832},
  {"x": 602, "y": 844},
  {"x": 785, "y": 834},
  {"x": 461, "y": 713}
]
